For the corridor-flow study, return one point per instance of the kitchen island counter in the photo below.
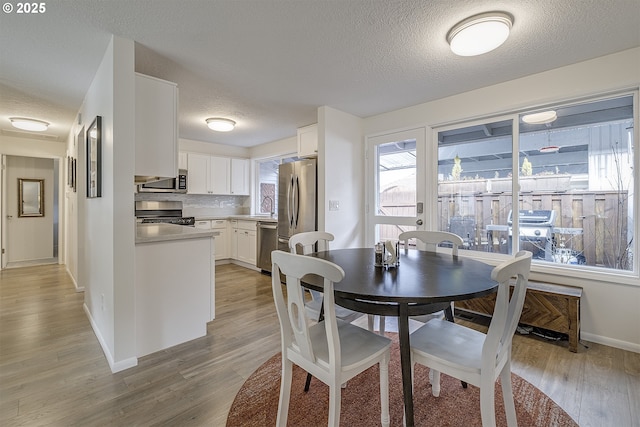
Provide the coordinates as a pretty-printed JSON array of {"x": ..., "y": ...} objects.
[
  {"x": 148, "y": 233},
  {"x": 175, "y": 285}
]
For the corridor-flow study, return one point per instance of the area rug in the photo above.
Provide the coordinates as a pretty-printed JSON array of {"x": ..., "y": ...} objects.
[{"x": 256, "y": 404}]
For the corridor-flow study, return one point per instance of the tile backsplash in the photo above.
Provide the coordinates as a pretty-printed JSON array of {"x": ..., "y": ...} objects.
[{"x": 204, "y": 204}]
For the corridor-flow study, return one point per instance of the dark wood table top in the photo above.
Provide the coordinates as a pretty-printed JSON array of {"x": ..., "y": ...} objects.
[{"x": 422, "y": 277}]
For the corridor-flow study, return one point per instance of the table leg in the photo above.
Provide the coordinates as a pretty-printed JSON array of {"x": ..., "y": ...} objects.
[{"x": 405, "y": 362}]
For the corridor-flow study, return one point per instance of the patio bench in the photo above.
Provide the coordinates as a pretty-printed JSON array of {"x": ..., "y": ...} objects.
[{"x": 547, "y": 305}]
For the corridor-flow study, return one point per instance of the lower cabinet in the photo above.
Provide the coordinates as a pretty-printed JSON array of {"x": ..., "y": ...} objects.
[
  {"x": 243, "y": 241},
  {"x": 237, "y": 239},
  {"x": 222, "y": 240}
]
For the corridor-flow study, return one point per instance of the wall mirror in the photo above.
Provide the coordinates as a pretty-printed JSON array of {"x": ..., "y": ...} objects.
[{"x": 30, "y": 197}]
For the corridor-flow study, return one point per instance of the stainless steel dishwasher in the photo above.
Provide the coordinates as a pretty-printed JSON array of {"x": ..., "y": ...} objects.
[{"x": 267, "y": 242}]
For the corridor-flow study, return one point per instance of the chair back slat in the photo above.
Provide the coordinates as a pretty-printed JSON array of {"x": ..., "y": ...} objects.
[{"x": 431, "y": 239}]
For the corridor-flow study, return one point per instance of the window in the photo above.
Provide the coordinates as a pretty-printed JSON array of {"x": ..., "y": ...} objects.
[
  {"x": 575, "y": 173},
  {"x": 475, "y": 184},
  {"x": 267, "y": 200}
]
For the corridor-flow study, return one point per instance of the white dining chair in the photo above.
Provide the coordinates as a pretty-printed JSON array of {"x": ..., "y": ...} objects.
[
  {"x": 317, "y": 241},
  {"x": 430, "y": 241},
  {"x": 473, "y": 356},
  {"x": 331, "y": 350}
]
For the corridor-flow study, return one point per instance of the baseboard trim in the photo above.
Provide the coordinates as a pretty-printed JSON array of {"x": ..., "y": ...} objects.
[
  {"x": 73, "y": 279},
  {"x": 611, "y": 342},
  {"x": 113, "y": 365},
  {"x": 245, "y": 265}
]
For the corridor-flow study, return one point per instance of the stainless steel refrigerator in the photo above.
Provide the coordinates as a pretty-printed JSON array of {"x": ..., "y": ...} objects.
[{"x": 297, "y": 200}]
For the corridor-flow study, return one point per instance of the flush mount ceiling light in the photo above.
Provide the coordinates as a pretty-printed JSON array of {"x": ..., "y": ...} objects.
[
  {"x": 550, "y": 149},
  {"x": 480, "y": 33},
  {"x": 541, "y": 118},
  {"x": 220, "y": 124},
  {"x": 29, "y": 124}
]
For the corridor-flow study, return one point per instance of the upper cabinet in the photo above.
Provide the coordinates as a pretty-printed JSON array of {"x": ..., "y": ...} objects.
[
  {"x": 220, "y": 175},
  {"x": 217, "y": 175},
  {"x": 240, "y": 176},
  {"x": 308, "y": 141},
  {"x": 156, "y": 127}
]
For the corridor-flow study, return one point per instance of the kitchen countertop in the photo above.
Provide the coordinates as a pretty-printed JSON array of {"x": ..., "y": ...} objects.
[
  {"x": 265, "y": 218},
  {"x": 148, "y": 233}
]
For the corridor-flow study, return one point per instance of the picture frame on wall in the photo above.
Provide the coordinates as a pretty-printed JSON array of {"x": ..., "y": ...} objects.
[
  {"x": 69, "y": 172},
  {"x": 94, "y": 158},
  {"x": 74, "y": 176}
]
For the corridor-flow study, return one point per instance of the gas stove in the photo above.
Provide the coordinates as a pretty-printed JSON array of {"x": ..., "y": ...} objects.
[
  {"x": 185, "y": 220},
  {"x": 166, "y": 211}
]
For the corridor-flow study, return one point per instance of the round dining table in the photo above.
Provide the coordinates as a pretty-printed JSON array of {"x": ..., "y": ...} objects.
[{"x": 409, "y": 289}]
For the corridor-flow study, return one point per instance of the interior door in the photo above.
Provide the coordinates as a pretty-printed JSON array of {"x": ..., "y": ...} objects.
[{"x": 395, "y": 184}]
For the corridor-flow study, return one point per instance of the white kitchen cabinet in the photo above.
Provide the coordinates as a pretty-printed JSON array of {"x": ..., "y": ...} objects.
[
  {"x": 203, "y": 224},
  {"x": 182, "y": 160},
  {"x": 220, "y": 175},
  {"x": 308, "y": 141},
  {"x": 156, "y": 135},
  {"x": 217, "y": 175},
  {"x": 244, "y": 241},
  {"x": 198, "y": 179},
  {"x": 240, "y": 176},
  {"x": 222, "y": 239}
]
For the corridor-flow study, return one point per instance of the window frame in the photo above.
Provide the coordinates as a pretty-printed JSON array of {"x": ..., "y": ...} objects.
[
  {"x": 256, "y": 202},
  {"x": 629, "y": 277}
]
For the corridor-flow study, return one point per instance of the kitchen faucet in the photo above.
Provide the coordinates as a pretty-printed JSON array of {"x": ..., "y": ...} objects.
[{"x": 271, "y": 200}]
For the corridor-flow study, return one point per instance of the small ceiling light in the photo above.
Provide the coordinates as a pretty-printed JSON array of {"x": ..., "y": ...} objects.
[
  {"x": 480, "y": 33},
  {"x": 221, "y": 125},
  {"x": 29, "y": 124},
  {"x": 550, "y": 149},
  {"x": 541, "y": 118}
]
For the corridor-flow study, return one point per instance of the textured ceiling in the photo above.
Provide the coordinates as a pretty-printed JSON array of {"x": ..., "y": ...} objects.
[{"x": 269, "y": 64}]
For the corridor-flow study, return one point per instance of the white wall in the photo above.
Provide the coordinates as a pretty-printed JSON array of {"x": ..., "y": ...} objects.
[
  {"x": 341, "y": 177},
  {"x": 106, "y": 225},
  {"x": 275, "y": 148},
  {"x": 190, "y": 145},
  {"x": 610, "y": 311}
]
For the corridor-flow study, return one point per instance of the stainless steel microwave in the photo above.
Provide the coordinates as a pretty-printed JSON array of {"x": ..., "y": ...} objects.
[{"x": 169, "y": 185}]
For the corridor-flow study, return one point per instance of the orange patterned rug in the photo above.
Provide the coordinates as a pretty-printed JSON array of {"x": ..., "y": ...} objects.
[{"x": 256, "y": 403}]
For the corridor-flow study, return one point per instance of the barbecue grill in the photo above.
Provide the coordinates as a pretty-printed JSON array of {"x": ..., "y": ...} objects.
[{"x": 535, "y": 227}]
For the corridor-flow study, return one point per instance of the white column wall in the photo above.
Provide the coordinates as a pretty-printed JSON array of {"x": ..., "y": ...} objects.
[
  {"x": 106, "y": 225},
  {"x": 341, "y": 177}
]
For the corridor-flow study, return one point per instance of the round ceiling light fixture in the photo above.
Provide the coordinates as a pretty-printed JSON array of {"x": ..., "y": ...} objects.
[
  {"x": 29, "y": 124},
  {"x": 540, "y": 118},
  {"x": 220, "y": 124},
  {"x": 550, "y": 149},
  {"x": 480, "y": 34}
]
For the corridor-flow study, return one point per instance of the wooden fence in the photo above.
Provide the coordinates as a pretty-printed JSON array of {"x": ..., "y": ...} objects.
[{"x": 600, "y": 215}]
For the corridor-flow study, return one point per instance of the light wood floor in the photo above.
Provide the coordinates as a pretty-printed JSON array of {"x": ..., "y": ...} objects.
[{"x": 53, "y": 371}]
